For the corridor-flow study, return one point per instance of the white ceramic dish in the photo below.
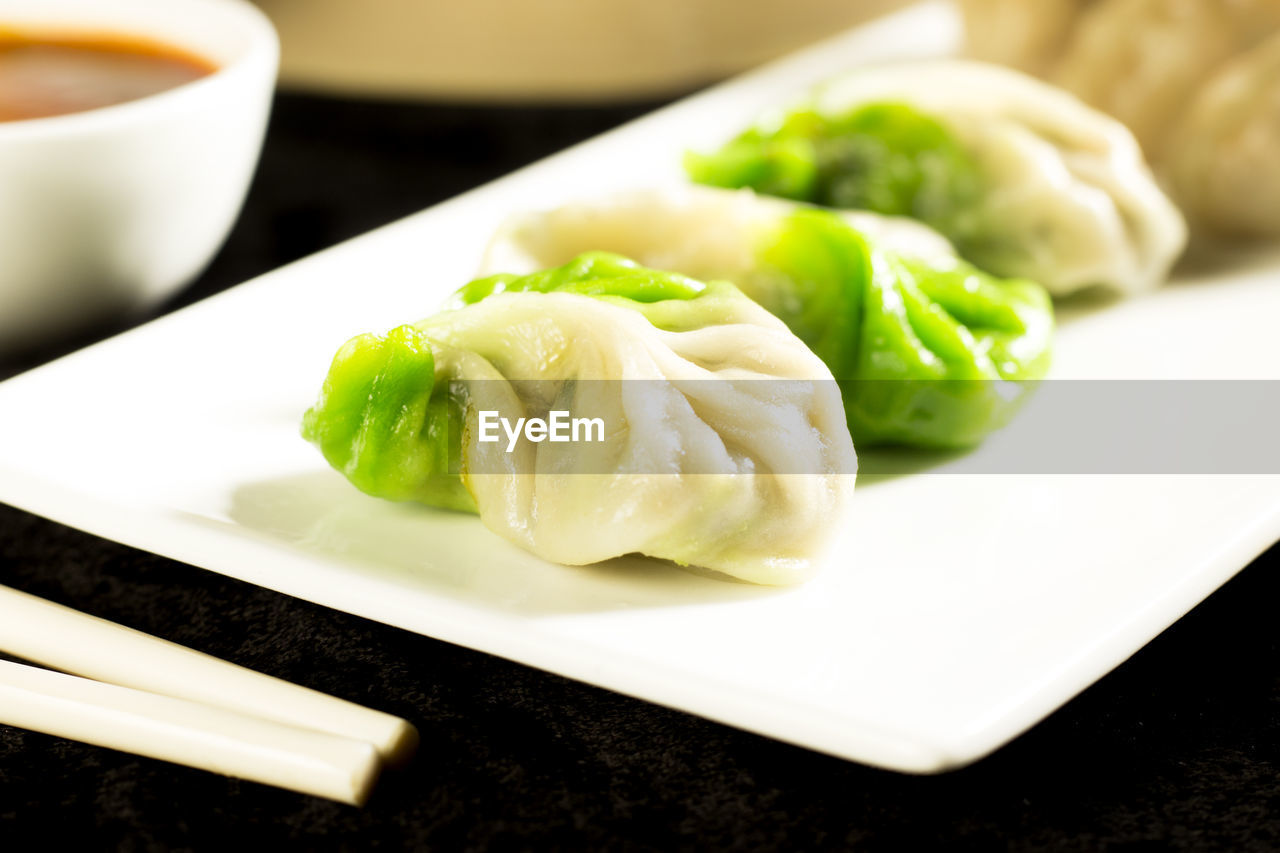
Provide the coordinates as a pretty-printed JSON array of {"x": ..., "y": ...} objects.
[
  {"x": 113, "y": 209},
  {"x": 959, "y": 610}
]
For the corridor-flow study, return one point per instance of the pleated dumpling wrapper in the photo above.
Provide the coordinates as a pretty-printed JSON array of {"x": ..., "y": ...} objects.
[
  {"x": 721, "y": 440},
  {"x": 929, "y": 350},
  {"x": 1029, "y": 36},
  {"x": 1142, "y": 61},
  {"x": 1024, "y": 179},
  {"x": 1222, "y": 157},
  {"x": 1194, "y": 80}
]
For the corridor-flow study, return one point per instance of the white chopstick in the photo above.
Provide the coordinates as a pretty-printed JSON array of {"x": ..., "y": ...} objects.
[
  {"x": 190, "y": 733},
  {"x": 61, "y": 638}
]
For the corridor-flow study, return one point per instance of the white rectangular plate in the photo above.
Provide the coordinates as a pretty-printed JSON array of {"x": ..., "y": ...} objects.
[{"x": 958, "y": 611}]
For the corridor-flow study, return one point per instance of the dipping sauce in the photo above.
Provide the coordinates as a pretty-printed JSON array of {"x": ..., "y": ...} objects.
[{"x": 47, "y": 75}]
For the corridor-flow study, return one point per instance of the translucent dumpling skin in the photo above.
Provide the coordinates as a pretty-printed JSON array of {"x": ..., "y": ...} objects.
[
  {"x": 722, "y": 441},
  {"x": 929, "y": 350},
  {"x": 1143, "y": 60},
  {"x": 1222, "y": 158},
  {"x": 1194, "y": 80},
  {"x": 1024, "y": 179},
  {"x": 1028, "y": 36}
]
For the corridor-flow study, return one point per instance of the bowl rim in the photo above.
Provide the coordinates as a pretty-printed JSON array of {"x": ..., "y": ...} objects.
[{"x": 262, "y": 51}]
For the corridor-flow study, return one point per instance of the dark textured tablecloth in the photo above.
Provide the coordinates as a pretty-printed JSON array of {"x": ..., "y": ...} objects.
[{"x": 1179, "y": 748}]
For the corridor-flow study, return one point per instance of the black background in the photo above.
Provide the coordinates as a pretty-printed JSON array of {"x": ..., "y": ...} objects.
[{"x": 1176, "y": 749}]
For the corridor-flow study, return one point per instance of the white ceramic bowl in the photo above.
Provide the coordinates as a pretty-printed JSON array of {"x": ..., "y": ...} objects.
[{"x": 111, "y": 210}]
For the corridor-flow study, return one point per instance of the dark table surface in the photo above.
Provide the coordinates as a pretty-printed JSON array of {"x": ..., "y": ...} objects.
[{"x": 1178, "y": 748}]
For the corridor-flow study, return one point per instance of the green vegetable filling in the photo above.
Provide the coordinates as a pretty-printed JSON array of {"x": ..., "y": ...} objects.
[
  {"x": 928, "y": 353},
  {"x": 884, "y": 157}
]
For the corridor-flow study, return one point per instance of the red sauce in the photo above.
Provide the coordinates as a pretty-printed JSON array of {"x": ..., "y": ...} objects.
[{"x": 49, "y": 75}]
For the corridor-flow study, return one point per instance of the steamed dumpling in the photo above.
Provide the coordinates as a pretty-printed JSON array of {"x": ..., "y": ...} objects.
[
  {"x": 1140, "y": 60},
  {"x": 1193, "y": 79},
  {"x": 1223, "y": 156},
  {"x": 722, "y": 444},
  {"x": 929, "y": 351},
  {"x": 1025, "y": 34},
  {"x": 1024, "y": 179},
  {"x": 703, "y": 232}
]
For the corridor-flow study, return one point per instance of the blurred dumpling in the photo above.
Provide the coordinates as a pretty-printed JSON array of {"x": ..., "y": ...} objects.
[
  {"x": 1222, "y": 160},
  {"x": 929, "y": 351},
  {"x": 722, "y": 441},
  {"x": 1139, "y": 60},
  {"x": 1025, "y": 34},
  {"x": 703, "y": 232},
  {"x": 1023, "y": 178}
]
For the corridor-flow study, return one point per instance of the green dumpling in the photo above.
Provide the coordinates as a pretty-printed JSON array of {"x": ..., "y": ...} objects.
[
  {"x": 383, "y": 420},
  {"x": 929, "y": 350},
  {"x": 1022, "y": 178},
  {"x": 712, "y": 436}
]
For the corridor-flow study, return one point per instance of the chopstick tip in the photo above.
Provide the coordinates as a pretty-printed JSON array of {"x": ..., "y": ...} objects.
[{"x": 400, "y": 748}]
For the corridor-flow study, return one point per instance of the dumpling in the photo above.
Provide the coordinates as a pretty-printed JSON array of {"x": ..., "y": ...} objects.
[
  {"x": 703, "y": 232},
  {"x": 1193, "y": 80},
  {"x": 1139, "y": 60},
  {"x": 1222, "y": 159},
  {"x": 1025, "y": 34},
  {"x": 929, "y": 351},
  {"x": 721, "y": 440},
  {"x": 1025, "y": 180}
]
